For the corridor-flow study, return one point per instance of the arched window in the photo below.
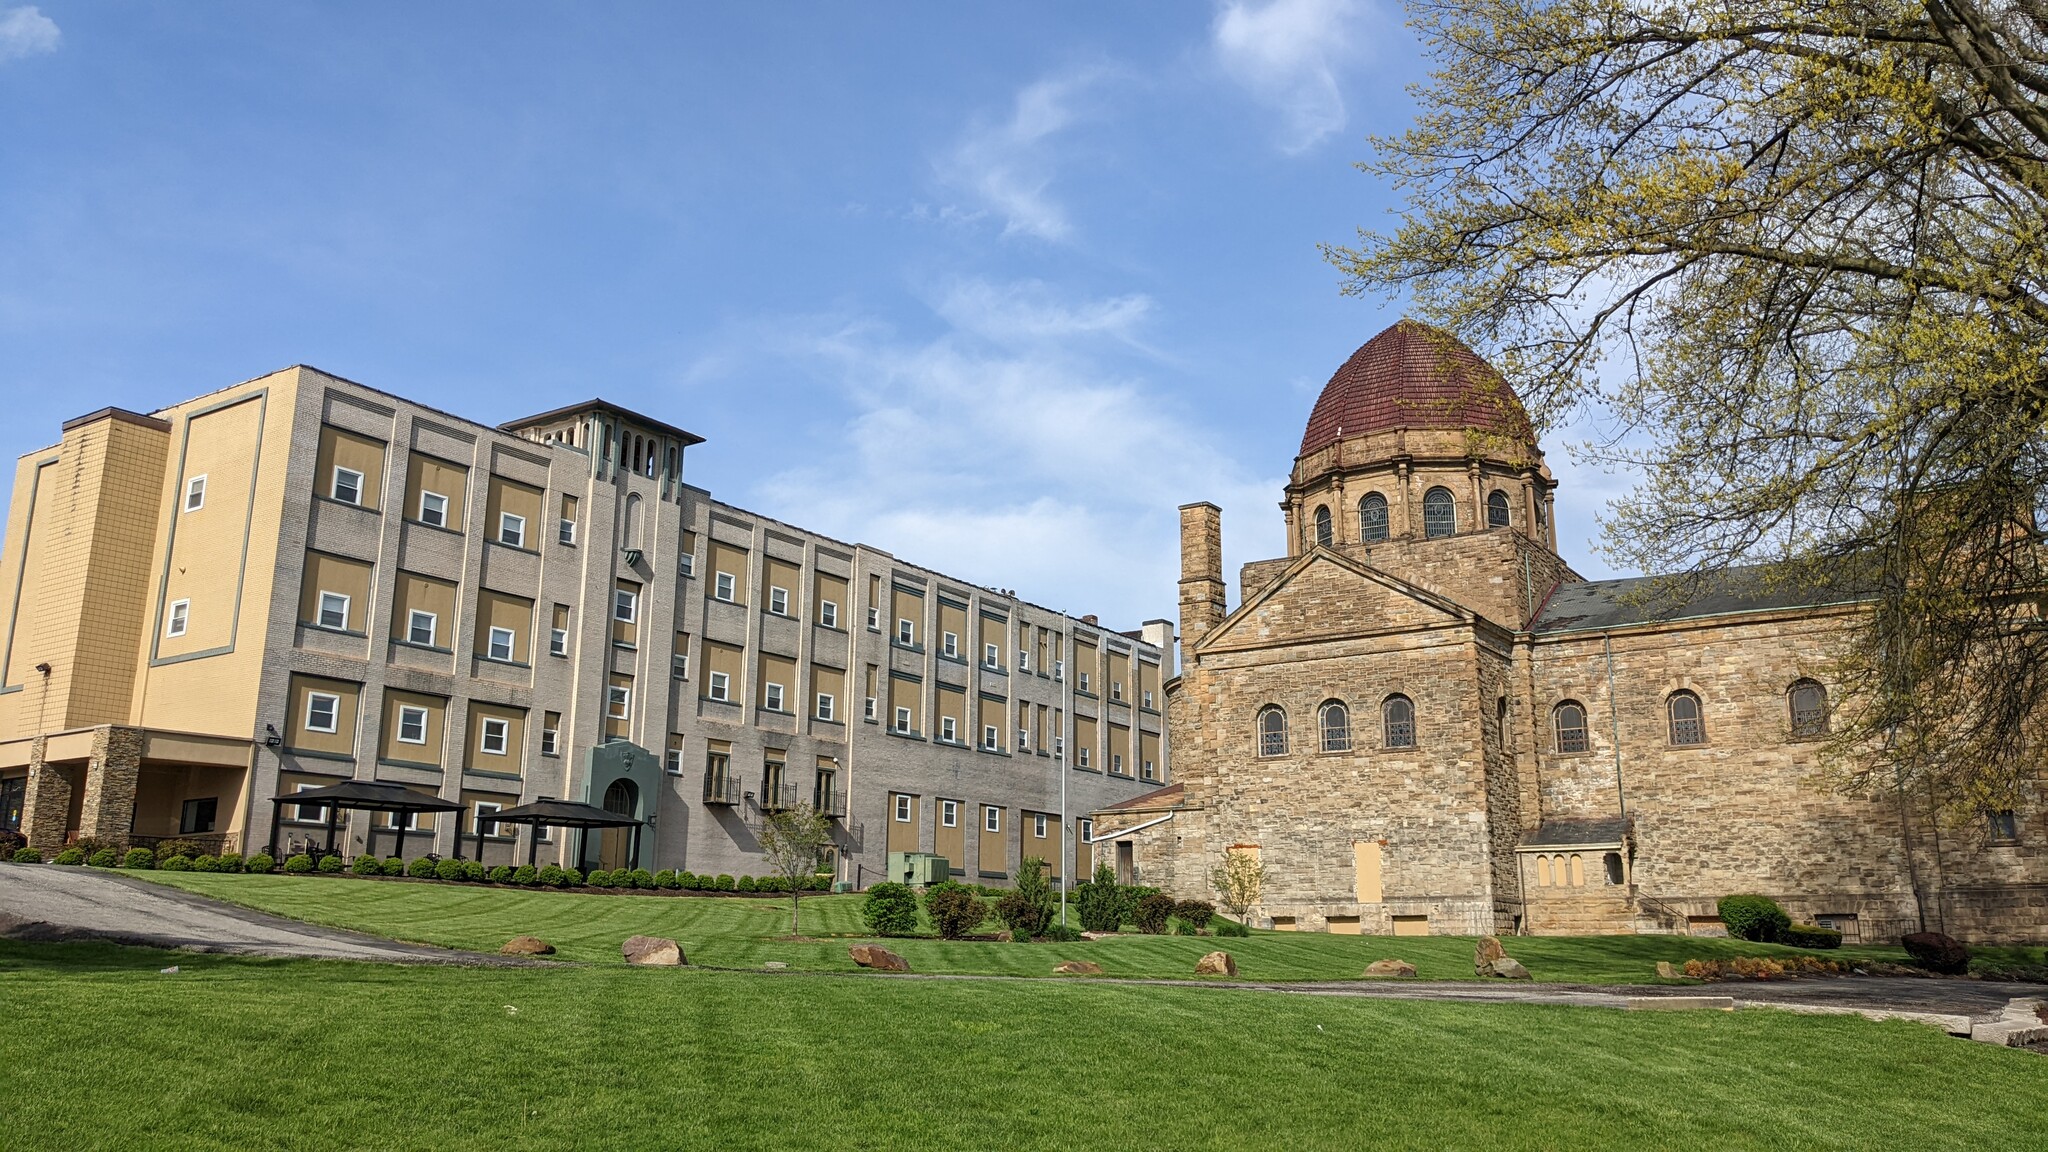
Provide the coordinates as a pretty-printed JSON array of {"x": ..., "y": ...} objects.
[
  {"x": 1612, "y": 863},
  {"x": 1686, "y": 725},
  {"x": 1272, "y": 732},
  {"x": 629, "y": 523},
  {"x": 1578, "y": 871},
  {"x": 1335, "y": 721},
  {"x": 1323, "y": 536},
  {"x": 1809, "y": 708},
  {"x": 1372, "y": 518},
  {"x": 1497, "y": 509},
  {"x": 1439, "y": 513},
  {"x": 1543, "y": 871},
  {"x": 1570, "y": 722},
  {"x": 1399, "y": 715}
]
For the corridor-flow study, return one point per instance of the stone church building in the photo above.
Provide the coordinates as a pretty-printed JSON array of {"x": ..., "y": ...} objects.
[{"x": 1423, "y": 721}]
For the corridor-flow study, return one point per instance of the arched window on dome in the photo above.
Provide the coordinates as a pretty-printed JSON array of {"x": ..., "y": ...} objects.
[
  {"x": 1398, "y": 713},
  {"x": 1569, "y": 720},
  {"x": 1497, "y": 509},
  {"x": 1372, "y": 518},
  {"x": 1809, "y": 703},
  {"x": 1687, "y": 726},
  {"x": 1272, "y": 731},
  {"x": 1439, "y": 513},
  {"x": 1323, "y": 536},
  {"x": 1335, "y": 721}
]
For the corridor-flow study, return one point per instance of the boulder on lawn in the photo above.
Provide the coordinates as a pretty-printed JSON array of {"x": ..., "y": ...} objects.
[
  {"x": 1216, "y": 964},
  {"x": 1937, "y": 952},
  {"x": 527, "y": 946},
  {"x": 1508, "y": 969},
  {"x": 652, "y": 951},
  {"x": 1077, "y": 968},
  {"x": 1379, "y": 969},
  {"x": 877, "y": 957},
  {"x": 1485, "y": 953}
]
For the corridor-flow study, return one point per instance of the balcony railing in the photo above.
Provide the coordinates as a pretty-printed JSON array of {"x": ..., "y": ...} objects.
[
  {"x": 777, "y": 797},
  {"x": 831, "y": 805},
  {"x": 721, "y": 788}
]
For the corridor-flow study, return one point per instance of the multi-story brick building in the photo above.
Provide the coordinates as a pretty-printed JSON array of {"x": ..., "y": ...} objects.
[
  {"x": 1422, "y": 721},
  {"x": 300, "y": 580}
]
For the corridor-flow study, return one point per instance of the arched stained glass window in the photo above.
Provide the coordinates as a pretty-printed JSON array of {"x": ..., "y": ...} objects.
[
  {"x": 1497, "y": 509},
  {"x": 1335, "y": 721},
  {"x": 1372, "y": 518},
  {"x": 1570, "y": 722},
  {"x": 1399, "y": 715},
  {"x": 1687, "y": 726},
  {"x": 1809, "y": 708},
  {"x": 1272, "y": 732},
  {"x": 1323, "y": 534},
  {"x": 1439, "y": 513}
]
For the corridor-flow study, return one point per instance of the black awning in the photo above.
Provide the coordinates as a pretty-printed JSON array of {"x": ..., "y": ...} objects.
[
  {"x": 562, "y": 814},
  {"x": 370, "y": 796}
]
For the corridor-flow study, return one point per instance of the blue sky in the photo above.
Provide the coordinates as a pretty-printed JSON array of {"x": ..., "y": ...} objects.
[{"x": 909, "y": 269}]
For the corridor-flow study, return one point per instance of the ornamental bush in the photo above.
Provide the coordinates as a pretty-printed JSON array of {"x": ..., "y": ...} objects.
[
  {"x": 262, "y": 863},
  {"x": 1062, "y": 933},
  {"x": 473, "y": 870},
  {"x": 571, "y": 877},
  {"x": 207, "y": 863},
  {"x": 182, "y": 864},
  {"x": 1195, "y": 914},
  {"x": 144, "y": 858},
  {"x": 104, "y": 858},
  {"x": 448, "y": 870},
  {"x": 1937, "y": 952},
  {"x": 599, "y": 878},
  {"x": 642, "y": 878},
  {"x": 953, "y": 910},
  {"x": 1152, "y": 913},
  {"x": 623, "y": 878},
  {"x": 331, "y": 864},
  {"x": 744, "y": 884},
  {"x": 421, "y": 867},
  {"x": 666, "y": 878},
  {"x": 69, "y": 857},
  {"x": 1128, "y": 897},
  {"x": 688, "y": 881},
  {"x": 525, "y": 874},
  {"x": 553, "y": 877},
  {"x": 1230, "y": 928},
  {"x": 367, "y": 866},
  {"x": 822, "y": 882},
  {"x": 723, "y": 883},
  {"x": 1752, "y": 917},
  {"x": 229, "y": 862},
  {"x": 166, "y": 849},
  {"x": 890, "y": 909},
  {"x": 1810, "y": 936},
  {"x": 1099, "y": 903},
  {"x": 394, "y": 866},
  {"x": 502, "y": 874},
  {"x": 28, "y": 856}
]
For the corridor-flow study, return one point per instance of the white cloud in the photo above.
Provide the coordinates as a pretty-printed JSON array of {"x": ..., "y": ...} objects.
[
  {"x": 26, "y": 32},
  {"x": 1286, "y": 54},
  {"x": 1008, "y": 166}
]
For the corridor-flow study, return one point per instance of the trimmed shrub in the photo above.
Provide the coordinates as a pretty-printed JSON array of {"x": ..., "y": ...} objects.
[
  {"x": 206, "y": 863},
  {"x": 552, "y": 876},
  {"x": 744, "y": 884},
  {"x": 230, "y": 862},
  {"x": 474, "y": 870},
  {"x": 449, "y": 870},
  {"x": 104, "y": 858},
  {"x": 144, "y": 858},
  {"x": 28, "y": 856},
  {"x": 524, "y": 874},
  {"x": 69, "y": 857},
  {"x": 1128, "y": 896},
  {"x": 89, "y": 845},
  {"x": 954, "y": 910},
  {"x": 822, "y": 882},
  {"x": 331, "y": 864},
  {"x": 166, "y": 849},
  {"x": 422, "y": 867},
  {"x": 688, "y": 881},
  {"x": 666, "y": 878},
  {"x": 393, "y": 866},
  {"x": 1810, "y": 936},
  {"x": 1230, "y": 927},
  {"x": 1098, "y": 903},
  {"x": 599, "y": 878},
  {"x": 262, "y": 863},
  {"x": 184, "y": 864},
  {"x": 1062, "y": 933},
  {"x": 1183, "y": 928},
  {"x": 1937, "y": 952},
  {"x": 1152, "y": 913},
  {"x": 502, "y": 874},
  {"x": 642, "y": 878},
  {"x": 367, "y": 866},
  {"x": 1751, "y": 917},
  {"x": 890, "y": 909},
  {"x": 571, "y": 877},
  {"x": 1195, "y": 914},
  {"x": 723, "y": 883},
  {"x": 624, "y": 878}
]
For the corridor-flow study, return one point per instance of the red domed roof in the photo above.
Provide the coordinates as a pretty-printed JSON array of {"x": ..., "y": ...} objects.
[{"x": 1413, "y": 376}]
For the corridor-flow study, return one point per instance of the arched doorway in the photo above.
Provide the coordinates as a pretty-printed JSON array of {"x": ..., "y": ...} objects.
[{"x": 615, "y": 845}]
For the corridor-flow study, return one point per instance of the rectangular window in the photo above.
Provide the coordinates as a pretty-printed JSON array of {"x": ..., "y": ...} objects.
[
  {"x": 991, "y": 656},
  {"x": 1059, "y": 669},
  {"x": 989, "y": 737},
  {"x": 1038, "y": 826},
  {"x": 1023, "y": 739},
  {"x": 721, "y": 686},
  {"x": 618, "y": 702},
  {"x": 434, "y": 509},
  {"x": 323, "y": 712},
  {"x": 481, "y": 824},
  {"x": 412, "y": 724},
  {"x": 902, "y": 808},
  {"x": 1148, "y": 698},
  {"x": 949, "y": 813},
  {"x": 828, "y": 614},
  {"x": 724, "y": 588},
  {"x": 199, "y": 815},
  {"x": 906, "y": 632},
  {"x": 334, "y": 611},
  {"x": 1148, "y": 771},
  {"x": 347, "y": 486},
  {"x": 625, "y": 605},
  {"x": 778, "y": 601},
  {"x": 308, "y": 813},
  {"x": 1059, "y": 746},
  {"x": 566, "y": 532},
  {"x": 551, "y": 734},
  {"x": 181, "y": 612},
  {"x": 195, "y": 493},
  {"x": 558, "y": 641},
  {"x": 826, "y": 707},
  {"x": 496, "y": 733},
  {"x": 991, "y": 819},
  {"x": 1116, "y": 690},
  {"x": 874, "y": 619},
  {"x": 949, "y": 730},
  {"x": 420, "y": 627},
  {"x": 511, "y": 530},
  {"x": 674, "y": 764},
  {"x": 903, "y": 719},
  {"x": 686, "y": 564},
  {"x": 867, "y": 709},
  {"x": 1082, "y": 758},
  {"x": 1116, "y": 763},
  {"x": 771, "y": 697},
  {"x": 2005, "y": 826},
  {"x": 1023, "y": 660},
  {"x": 501, "y": 644},
  {"x": 1082, "y": 684}
]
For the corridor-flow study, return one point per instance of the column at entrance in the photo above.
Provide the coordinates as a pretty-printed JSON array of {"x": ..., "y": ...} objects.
[
  {"x": 108, "y": 813},
  {"x": 46, "y": 807}
]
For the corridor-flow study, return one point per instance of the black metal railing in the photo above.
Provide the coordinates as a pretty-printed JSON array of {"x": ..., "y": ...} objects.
[{"x": 721, "y": 788}]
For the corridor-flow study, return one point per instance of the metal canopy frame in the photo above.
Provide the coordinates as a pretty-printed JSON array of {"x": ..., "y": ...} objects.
[{"x": 363, "y": 796}]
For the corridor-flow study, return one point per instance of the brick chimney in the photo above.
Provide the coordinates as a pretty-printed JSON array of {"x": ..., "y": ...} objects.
[{"x": 1201, "y": 572}]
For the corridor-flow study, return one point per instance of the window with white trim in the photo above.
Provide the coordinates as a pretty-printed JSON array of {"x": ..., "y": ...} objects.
[
  {"x": 903, "y": 719},
  {"x": 723, "y": 588},
  {"x": 674, "y": 763},
  {"x": 991, "y": 818},
  {"x": 558, "y": 641},
  {"x": 903, "y": 811},
  {"x": 346, "y": 485},
  {"x": 501, "y": 644},
  {"x": 867, "y": 709},
  {"x": 625, "y": 605},
  {"x": 565, "y": 531},
  {"x": 480, "y": 822},
  {"x": 434, "y": 509},
  {"x": 511, "y": 530},
  {"x": 334, "y": 611},
  {"x": 778, "y": 601},
  {"x": 1038, "y": 825},
  {"x": 1081, "y": 758},
  {"x": 323, "y": 712},
  {"x": 1148, "y": 699},
  {"x": 195, "y": 493},
  {"x": 497, "y": 734},
  {"x": 420, "y": 627},
  {"x": 1023, "y": 660},
  {"x": 906, "y": 631},
  {"x": 771, "y": 697},
  {"x": 949, "y": 813},
  {"x": 1081, "y": 685},
  {"x": 989, "y": 737},
  {"x": 991, "y": 656},
  {"x": 1116, "y": 691},
  {"x": 828, "y": 613},
  {"x": 1023, "y": 739},
  {"x": 686, "y": 564},
  {"x": 950, "y": 644},
  {"x": 551, "y": 734},
  {"x": 181, "y": 614},
  {"x": 412, "y": 724},
  {"x": 618, "y": 702},
  {"x": 949, "y": 730},
  {"x": 721, "y": 686},
  {"x": 309, "y": 813},
  {"x": 827, "y": 707}
]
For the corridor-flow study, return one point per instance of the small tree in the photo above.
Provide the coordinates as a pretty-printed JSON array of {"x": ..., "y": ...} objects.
[
  {"x": 1028, "y": 910},
  {"x": 1238, "y": 881},
  {"x": 796, "y": 841},
  {"x": 1099, "y": 902}
]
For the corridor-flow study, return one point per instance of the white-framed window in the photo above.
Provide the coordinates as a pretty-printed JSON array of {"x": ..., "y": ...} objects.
[
  {"x": 903, "y": 810},
  {"x": 903, "y": 719},
  {"x": 1023, "y": 739},
  {"x": 1148, "y": 698},
  {"x": 867, "y": 708},
  {"x": 1081, "y": 758},
  {"x": 950, "y": 644},
  {"x": 550, "y": 742},
  {"x": 497, "y": 734},
  {"x": 1023, "y": 660},
  {"x": 991, "y": 818},
  {"x": 874, "y": 619},
  {"x": 1084, "y": 830},
  {"x": 949, "y": 813},
  {"x": 721, "y": 686},
  {"x": 420, "y": 627},
  {"x": 618, "y": 702},
  {"x": 501, "y": 644},
  {"x": 1081, "y": 685},
  {"x": 625, "y": 605},
  {"x": 723, "y": 587},
  {"x": 181, "y": 614},
  {"x": 674, "y": 763},
  {"x": 771, "y": 697},
  {"x": 1116, "y": 690},
  {"x": 827, "y": 707},
  {"x": 1059, "y": 669},
  {"x": 828, "y": 614},
  {"x": 434, "y": 509},
  {"x": 334, "y": 611},
  {"x": 679, "y": 666},
  {"x": 412, "y": 724},
  {"x": 989, "y": 737},
  {"x": 558, "y": 641},
  {"x": 1059, "y": 747},
  {"x": 991, "y": 656},
  {"x": 778, "y": 601},
  {"x": 323, "y": 712},
  {"x": 566, "y": 531},
  {"x": 686, "y": 564},
  {"x": 1038, "y": 825},
  {"x": 1147, "y": 771},
  {"x": 511, "y": 529},
  {"x": 195, "y": 493},
  {"x": 480, "y": 823},
  {"x": 309, "y": 813},
  {"x": 906, "y": 631},
  {"x": 346, "y": 486},
  {"x": 1116, "y": 763},
  {"x": 949, "y": 730}
]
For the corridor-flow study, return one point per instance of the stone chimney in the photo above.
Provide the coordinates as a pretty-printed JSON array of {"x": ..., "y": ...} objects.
[{"x": 1201, "y": 572}]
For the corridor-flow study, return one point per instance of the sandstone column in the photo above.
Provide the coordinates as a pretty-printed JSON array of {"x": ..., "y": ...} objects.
[
  {"x": 108, "y": 810},
  {"x": 46, "y": 809}
]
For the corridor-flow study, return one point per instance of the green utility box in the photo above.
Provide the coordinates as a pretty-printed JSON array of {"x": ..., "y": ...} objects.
[{"x": 919, "y": 868}]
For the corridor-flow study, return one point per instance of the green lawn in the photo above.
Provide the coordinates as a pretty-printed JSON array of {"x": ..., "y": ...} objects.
[
  {"x": 743, "y": 933},
  {"x": 100, "y": 1051}
]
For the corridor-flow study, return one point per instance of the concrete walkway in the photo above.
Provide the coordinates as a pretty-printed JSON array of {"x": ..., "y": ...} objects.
[{"x": 46, "y": 902}]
